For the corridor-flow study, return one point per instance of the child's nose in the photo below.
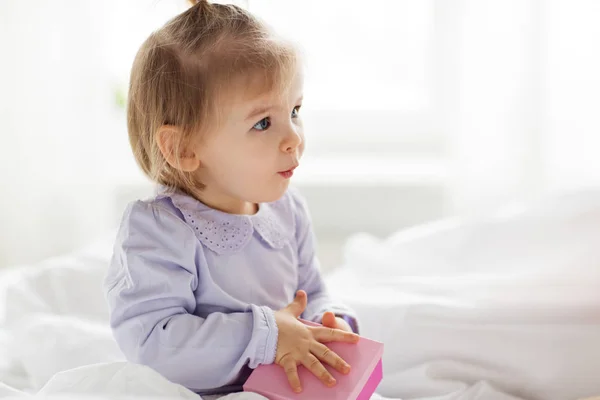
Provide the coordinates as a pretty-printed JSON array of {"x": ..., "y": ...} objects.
[{"x": 292, "y": 141}]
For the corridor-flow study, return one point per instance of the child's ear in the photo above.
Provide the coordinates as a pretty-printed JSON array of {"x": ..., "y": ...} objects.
[{"x": 178, "y": 156}]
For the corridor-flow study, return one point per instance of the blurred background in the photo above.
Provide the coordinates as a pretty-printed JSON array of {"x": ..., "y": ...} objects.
[{"x": 414, "y": 110}]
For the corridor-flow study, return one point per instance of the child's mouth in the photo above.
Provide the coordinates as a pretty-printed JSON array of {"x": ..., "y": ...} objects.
[{"x": 287, "y": 174}]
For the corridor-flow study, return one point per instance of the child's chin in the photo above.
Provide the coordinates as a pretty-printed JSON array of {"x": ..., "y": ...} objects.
[{"x": 276, "y": 193}]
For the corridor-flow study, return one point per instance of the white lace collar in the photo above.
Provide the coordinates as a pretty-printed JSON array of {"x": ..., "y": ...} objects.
[{"x": 226, "y": 233}]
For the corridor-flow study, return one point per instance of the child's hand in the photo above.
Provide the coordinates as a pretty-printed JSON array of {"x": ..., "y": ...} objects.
[
  {"x": 301, "y": 344},
  {"x": 331, "y": 321}
]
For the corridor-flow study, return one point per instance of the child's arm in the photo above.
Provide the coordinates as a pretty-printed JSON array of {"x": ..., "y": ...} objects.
[
  {"x": 310, "y": 279},
  {"x": 150, "y": 289}
]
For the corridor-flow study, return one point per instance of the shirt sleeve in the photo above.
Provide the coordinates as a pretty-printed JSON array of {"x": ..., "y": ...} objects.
[
  {"x": 309, "y": 271},
  {"x": 150, "y": 288}
]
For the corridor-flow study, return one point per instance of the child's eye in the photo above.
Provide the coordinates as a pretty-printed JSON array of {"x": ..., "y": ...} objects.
[
  {"x": 295, "y": 111},
  {"x": 263, "y": 124}
]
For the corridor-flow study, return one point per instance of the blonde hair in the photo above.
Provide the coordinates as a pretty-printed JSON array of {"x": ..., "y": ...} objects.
[{"x": 182, "y": 72}]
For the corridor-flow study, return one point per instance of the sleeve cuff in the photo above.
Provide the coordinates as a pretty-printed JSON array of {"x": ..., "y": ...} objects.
[
  {"x": 267, "y": 348},
  {"x": 320, "y": 306},
  {"x": 350, "y": 321},
  {"x": 317, "y": 308}
]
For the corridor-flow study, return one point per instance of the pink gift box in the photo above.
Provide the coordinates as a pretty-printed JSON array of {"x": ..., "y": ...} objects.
[{"x": 366, "y": 372}]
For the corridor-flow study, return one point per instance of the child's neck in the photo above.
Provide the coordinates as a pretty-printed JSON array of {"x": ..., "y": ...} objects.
[{"x": 227, "y": 204}]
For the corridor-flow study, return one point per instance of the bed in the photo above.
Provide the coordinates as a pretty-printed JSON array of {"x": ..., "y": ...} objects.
[{"x": 505, "y": 306}]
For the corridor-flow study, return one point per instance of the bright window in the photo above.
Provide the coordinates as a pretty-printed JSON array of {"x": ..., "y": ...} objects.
[{"x": 369, "y": 79}]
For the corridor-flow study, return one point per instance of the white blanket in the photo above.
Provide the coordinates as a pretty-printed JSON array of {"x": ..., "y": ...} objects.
[{"x": 503, "y": 308}]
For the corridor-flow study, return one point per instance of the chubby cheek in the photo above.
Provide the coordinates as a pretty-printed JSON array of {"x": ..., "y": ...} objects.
[
  {"x": 254, "y": 173},
  {"x": 263, "y": 183}
]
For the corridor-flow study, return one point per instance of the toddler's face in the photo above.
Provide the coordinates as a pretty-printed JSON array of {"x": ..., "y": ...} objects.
[{"x": 249, "y": 158}]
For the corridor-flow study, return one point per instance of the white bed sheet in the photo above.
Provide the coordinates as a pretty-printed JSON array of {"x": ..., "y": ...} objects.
[
  {"x": 468, "y": 310},
  {"x": 511, "y": 299}
]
